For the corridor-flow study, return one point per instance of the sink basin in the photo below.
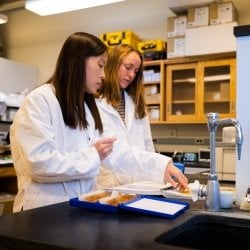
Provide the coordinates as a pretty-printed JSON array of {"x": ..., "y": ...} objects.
[{"x": 205, "y": 231}]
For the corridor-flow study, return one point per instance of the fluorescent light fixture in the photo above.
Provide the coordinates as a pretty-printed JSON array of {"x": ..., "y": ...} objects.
[
  {"x": 3, "y": 18},
  {"x": 50, "y": 7}
]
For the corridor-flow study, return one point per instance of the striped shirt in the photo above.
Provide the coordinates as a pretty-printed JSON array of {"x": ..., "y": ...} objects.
[{"x": 121, "y": 108}]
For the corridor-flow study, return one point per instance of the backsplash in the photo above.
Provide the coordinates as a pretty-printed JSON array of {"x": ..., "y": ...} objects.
[{"x": 181, "y": 137}]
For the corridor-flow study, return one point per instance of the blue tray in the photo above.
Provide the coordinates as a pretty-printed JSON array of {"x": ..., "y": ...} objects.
[
  {"x": 144, "y": 204},
  {"x": 75, "y": 202}
]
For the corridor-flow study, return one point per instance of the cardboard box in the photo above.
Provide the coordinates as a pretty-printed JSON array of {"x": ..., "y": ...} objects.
[
  {"x": 180, "y": 7},
  {"x": 176, "y": 26},
  {"x": 210, "y": 39},
  {"x": 176, "y": 47},
  {"x": 198, "y": 17},
  {"x": 112, "y": 39},
  {"x": 222, "y": 13}
]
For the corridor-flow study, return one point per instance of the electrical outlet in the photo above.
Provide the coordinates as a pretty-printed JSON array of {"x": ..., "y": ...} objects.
[
  {"x": 172, "y": 133},
  {"x": 199, "y": 141}
]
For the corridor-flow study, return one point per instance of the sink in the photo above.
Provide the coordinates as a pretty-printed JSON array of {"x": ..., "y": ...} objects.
[{"x": 205, "y": 231}]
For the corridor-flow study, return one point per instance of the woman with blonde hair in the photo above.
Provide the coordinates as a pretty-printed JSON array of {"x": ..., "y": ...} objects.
[{"x": 123, "y": 108}]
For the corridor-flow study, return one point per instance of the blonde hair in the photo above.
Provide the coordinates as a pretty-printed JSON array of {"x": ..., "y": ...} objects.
[{"x": 111, "y": 88}]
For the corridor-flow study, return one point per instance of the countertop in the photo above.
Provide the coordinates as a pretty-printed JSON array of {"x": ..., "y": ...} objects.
[{"x": 62, "y": 226}]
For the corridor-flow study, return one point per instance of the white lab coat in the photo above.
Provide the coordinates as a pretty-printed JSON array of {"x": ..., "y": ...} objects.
[
  {"x": 137, "y": 134},
  {"x": 53, "y": 162}
]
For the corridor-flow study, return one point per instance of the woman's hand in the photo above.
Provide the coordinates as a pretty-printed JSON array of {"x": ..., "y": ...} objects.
[
  {"x": 175, "y": 176},
  {"x": 104, "y": 147}
]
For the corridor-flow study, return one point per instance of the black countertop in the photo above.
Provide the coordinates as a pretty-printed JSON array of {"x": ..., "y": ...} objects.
[{"x": 62, "y": 226}]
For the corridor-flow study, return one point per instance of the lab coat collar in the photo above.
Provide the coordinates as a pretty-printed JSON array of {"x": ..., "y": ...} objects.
[{"x": 129, "y": 108}]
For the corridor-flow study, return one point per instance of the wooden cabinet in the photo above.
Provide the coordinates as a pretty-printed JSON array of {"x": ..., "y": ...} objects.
[
  {"x": 199, "y": 87},
  {"x": 154, "y": 86},
  {"x": 218, "y": 83},
  {"x": 8, "y": 188},
  {"x": 182, "y": 92},
  {"x": 8, "y": 181}
]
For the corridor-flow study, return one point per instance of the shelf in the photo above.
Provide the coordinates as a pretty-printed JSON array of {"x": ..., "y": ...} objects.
[
  {"x": 215, "y": 78},
  {"x": 183, "y": 102},
  {"x": 7, "y": 171},
  {"x": 6, "y": 122},
  {"x": 5, "y": 147},
  {"x": 214, "y": 101},
  {"x": 152, "y": 103},
  {"x": 154, "y": 89},
  {"x": 186, "y": 80},
  {"x": 152, "y": 83}
]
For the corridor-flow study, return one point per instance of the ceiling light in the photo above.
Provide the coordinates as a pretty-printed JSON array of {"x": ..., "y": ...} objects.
[
  {"x": 50, "y": 7},
  {"x": 3, "y": 18}
]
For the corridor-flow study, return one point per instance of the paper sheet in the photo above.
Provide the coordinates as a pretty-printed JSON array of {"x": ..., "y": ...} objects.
[{"x": 163, "y": 207}]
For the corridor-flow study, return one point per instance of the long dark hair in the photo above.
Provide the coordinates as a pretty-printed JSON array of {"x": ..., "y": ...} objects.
[{"x": 69, "y": 79}]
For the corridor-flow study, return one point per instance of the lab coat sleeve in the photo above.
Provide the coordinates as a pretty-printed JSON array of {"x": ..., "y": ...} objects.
[
  {"x": 148, "y": 141},
  {"x": 135, "y": 162},
  {"x": 37, "y": 149}
]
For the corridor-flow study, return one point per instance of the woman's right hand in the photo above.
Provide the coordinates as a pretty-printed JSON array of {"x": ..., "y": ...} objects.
[
  {"x": 175, "y": 177},
  {"x": 104, "y": 146}
]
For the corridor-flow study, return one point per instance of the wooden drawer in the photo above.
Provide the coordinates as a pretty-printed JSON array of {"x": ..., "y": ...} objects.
[{"x": 7, "y": 172}]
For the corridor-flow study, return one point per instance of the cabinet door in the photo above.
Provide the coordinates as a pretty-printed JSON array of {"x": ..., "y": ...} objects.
[
  {"x": 153, "y": 78},
  {"x": 182, "y": 102},
  {"x": 217, "y": 88}
]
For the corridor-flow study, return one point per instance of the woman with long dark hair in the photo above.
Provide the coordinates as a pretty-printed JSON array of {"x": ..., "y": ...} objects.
[{"x": 58, "y": 139}]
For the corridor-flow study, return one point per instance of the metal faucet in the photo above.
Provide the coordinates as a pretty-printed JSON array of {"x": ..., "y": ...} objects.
[{"x": 213, "y": 188}]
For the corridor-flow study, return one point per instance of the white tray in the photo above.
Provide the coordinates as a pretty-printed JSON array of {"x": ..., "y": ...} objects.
[{"x": 143, "y": 188}]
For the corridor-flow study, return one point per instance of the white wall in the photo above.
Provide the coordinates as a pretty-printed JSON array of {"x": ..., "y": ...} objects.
[
  {"x": 243, "y": 91},
  {"x": 16, "y": 77},
  {"x": 37, "y": 40}
]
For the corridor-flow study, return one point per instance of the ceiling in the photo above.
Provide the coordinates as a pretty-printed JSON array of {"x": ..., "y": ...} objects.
[
  {"x": 25, "y": 28},
  {"x": 242, "y": 6}
]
